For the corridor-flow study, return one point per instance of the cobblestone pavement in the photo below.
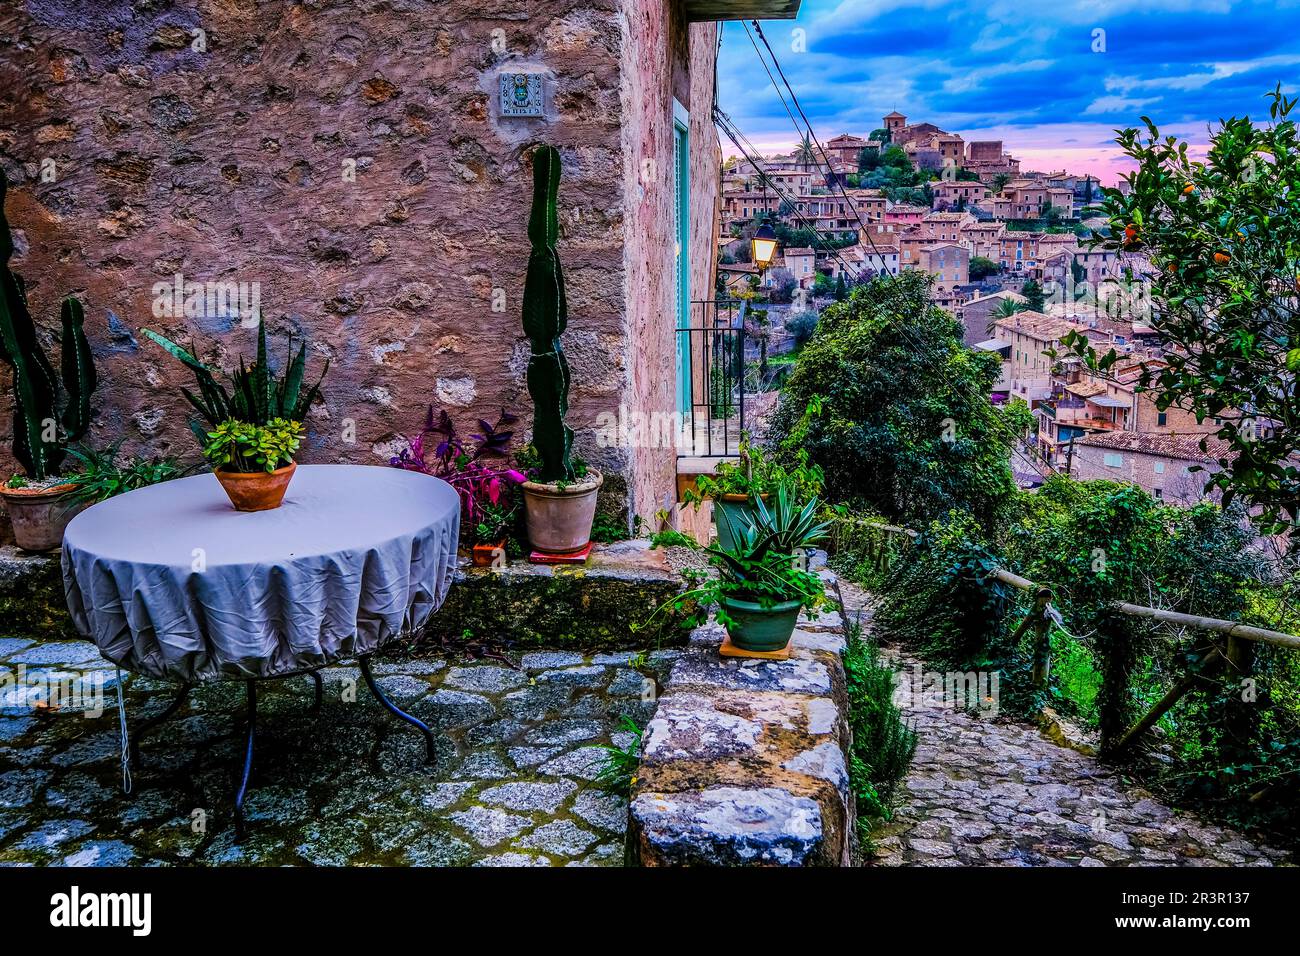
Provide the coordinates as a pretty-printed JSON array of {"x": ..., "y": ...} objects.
[
  {"x": 511, "y": 783},
  {"x": 991, "y": 792}
]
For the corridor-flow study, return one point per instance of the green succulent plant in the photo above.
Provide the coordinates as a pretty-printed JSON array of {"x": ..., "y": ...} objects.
[
  {"x": 245, "y": 447},
  {"x": 545, "y": 315},
  {"x": 50, "y": 411}
]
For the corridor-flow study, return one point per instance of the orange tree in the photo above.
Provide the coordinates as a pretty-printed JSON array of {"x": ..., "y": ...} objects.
[{"x": 1224, "y": 237}]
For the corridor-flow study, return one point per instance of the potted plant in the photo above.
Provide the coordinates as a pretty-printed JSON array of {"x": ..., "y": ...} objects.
[
  {"x": 254, "y": 463},
  {"x": 254, "y": 429},
  {"x": 490, "y": 531},
  {"x": 560, "y": 493},
  {"x": 488, "y": 503},
  {"x": 47, "y": 415},
  {"x": 735, "y": 487},
  {"x": 762, "y": 581}
]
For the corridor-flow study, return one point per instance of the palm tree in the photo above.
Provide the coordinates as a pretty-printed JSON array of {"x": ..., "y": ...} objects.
[
  {"x": 1006, "y": 308},
  {"x": 1009, "y": 307},
  {"x": 804, "y": 152}
]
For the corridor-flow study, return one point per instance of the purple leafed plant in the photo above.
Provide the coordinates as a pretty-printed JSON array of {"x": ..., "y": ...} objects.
[{"x": 465, "y": 466}]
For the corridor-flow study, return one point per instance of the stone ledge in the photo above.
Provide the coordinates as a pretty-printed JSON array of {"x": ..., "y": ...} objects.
[
  {"x": 590, "y": 606},
  {"x": 745, "y": 761},
  {"x": 31, "y": 595}
]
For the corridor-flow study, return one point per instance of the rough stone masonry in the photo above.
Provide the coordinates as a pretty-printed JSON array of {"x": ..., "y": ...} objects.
[{"x": 351, "y": 161}]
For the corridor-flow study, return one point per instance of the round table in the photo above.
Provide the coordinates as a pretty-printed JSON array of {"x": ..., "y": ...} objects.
[{"x": 172, "y": 582}]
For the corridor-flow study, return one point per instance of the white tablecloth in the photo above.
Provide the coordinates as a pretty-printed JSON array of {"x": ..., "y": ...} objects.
[{"x": 172, "y": 582}]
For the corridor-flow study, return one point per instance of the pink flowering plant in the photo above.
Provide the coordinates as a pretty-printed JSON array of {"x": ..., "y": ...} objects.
[{"x": 478, "y": 469}]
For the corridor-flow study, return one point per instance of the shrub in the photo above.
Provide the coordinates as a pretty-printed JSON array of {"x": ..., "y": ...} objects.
[
  {"x": 887, "y": 389},
  {"x": 801, "y": 326},
  {"x": 883, "y": 744}
]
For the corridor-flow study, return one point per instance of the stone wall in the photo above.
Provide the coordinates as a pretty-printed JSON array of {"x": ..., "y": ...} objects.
[
  {"x": 657, "y": 34},
  {"x": 350, "y": 160},
  {"x": 745, "y": 761}
]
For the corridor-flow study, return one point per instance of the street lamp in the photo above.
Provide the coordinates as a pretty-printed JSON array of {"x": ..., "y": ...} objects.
[{"x": 763, "y": 246}]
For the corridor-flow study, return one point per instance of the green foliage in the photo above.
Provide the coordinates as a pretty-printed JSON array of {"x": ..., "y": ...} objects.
[
  {"x": 495, "y": 521},
  {"x": 887, "y": 389},
  {"x": 100, "y": 477},
  {"x": 883, "y": 744},
  {"x": 755, "y": 473},
  {"x": 801, "y": 326},
  {"x": 618, "y": 773},
  {"x": 669, "y": 538},
  {"x": 41, "y": 431},
  {"x": 255, "y": 396},
  {"x": 1035, "y": 298},
  {"x": 1224, "y": 236},
  {"x": 608, "y": 528},
  {"x": 982, "y": 267},
  {"x": 545, "y": 316},
  {"x": 245, "y": 447}
]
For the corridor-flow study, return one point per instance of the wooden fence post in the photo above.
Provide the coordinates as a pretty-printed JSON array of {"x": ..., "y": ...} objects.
[{"x": 1042, "y": 644}]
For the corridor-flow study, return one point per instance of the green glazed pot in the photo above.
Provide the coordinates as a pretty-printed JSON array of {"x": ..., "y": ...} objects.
[
  {"x": 734, "y": 506},
  {"x": 759, "y": 628}
]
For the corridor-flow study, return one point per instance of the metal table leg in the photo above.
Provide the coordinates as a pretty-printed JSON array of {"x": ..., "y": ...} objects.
[
  {"x": 320, "y": 691},
  {"x": 248, "y": 751},
  {"x": 396, "y": 711},
  {"x": 149, "y": 723}
]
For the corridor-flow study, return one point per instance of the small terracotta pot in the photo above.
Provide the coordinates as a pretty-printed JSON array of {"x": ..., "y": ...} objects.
[
  {"x": 256, "y": 490},
  {"x": 482, "y": 555},
  {"x": 40, "y": 515},
  {"x": 559, "y": 519}
]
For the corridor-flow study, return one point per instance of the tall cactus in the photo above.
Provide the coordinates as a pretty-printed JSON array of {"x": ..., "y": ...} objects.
[
  {"x": 545, "y": 316},
  {"x": 40, "y": 433}
]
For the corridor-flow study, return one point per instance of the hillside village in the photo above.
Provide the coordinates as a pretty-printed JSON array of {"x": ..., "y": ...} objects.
[{"x": 1009, "y": 250}]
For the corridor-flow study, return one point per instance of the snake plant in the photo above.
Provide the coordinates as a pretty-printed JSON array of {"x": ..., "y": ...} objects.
[
  {"x": 545, "y": 315},
  {"x": 50, "y": 411},
  {"x": 254, "y": 396}
]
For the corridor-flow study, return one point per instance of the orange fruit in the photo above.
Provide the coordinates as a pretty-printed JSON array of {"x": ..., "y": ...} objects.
[{"x": 1221, "y": 257}]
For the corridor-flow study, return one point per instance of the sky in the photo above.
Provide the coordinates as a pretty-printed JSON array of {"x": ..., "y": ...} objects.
[{"x": 1052, "y": 79}]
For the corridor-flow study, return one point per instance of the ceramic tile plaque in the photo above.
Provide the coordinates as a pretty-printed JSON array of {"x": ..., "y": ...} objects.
[{"x": 521, "y": 94}]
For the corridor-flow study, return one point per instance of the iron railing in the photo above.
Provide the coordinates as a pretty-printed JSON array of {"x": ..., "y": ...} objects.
[{"x": 713, "y": 368}]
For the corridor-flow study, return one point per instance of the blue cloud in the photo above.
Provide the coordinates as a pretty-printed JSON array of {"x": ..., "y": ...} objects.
[{"x": 997, "y": 64}]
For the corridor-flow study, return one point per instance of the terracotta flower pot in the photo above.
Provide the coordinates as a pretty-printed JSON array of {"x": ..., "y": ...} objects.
[
  {"x": 256, "y": 490},
  {"x": 482, "y": 555},
  {"x": 39, "y": 515},
  {"x": 733, "y": 506},
  {"x": 559, "y": 519},
  {"x": 759, "y": 628}
]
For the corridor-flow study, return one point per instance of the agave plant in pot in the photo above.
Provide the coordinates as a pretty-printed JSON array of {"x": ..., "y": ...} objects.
[
  {"x": 50, "y": 411},
  {"x": 256, "y": 426},
  {"x": 560, "y": 495},
  {"x": 762, "y": 580}
]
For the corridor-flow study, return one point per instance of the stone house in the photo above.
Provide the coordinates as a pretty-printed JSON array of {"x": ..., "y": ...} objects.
[
  {"x": 948, "y": 195},
  {"x": 368, "y": 168},
  {"x": 977, "y": 314},
  {"x": 1162, "y": 465}
]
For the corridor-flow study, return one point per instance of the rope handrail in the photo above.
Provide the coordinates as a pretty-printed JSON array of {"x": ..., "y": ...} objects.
[
  {"x": 1235, "y": 629},
  {"x": 1234, "y": 657}
]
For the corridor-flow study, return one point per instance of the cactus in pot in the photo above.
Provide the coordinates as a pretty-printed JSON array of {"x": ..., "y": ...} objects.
[
  {"x": 560, "y": 496},
  {"x": 48, "y": 416}
]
